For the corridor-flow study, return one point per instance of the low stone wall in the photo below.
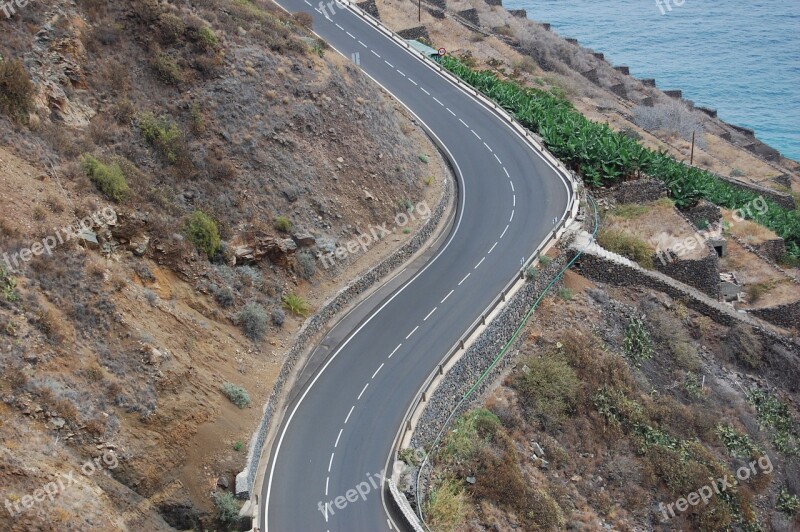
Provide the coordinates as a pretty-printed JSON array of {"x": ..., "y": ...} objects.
[
  {"x": 519, "y": 13},
  {"x": 420, "y": 32},
  {"x": 702, "y": 274},
  {"x": 782, "y": 356},
  {"x": 639, "y": 191},
  {"x": 787, "y": 315},
  {"x": 703, "y": 211},
  {"x": 370, "y": 8},
  {"x": 774, "y": 249},
  {"x": 471, "y": 16},
  {"x": 316, "y": 323},
  {"x": 494, "y": 2}
]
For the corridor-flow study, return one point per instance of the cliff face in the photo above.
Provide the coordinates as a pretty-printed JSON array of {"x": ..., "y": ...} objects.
[{"x": 146, "y": 146}]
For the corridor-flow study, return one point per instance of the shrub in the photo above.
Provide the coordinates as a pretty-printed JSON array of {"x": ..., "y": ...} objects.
[
  {"x": 637, "y": 344},
  {"x": 673, "y": 118},
  {"x": 307, "y": 265},
  {"x": 304, "y": 19},
  {"x": 447, "y": 507},
  {"x": 238, "y": 446},
  {"x": 203, "y": 233},
  {"x": 424, "y": 158},
  {"x": 282, "y": 224},
  {"x": 236, "y": 394},
  {"x": 162, "y": 134},
  {"x": 531, "y": 273},
  {"x": 629, "y": 210},
  {"x": 8, "y": 285},
  {"x": 773, "y": 413},
  {"x": 627, "y": 245},
  {"x": 788, "y": 503},
  {"x": 16, "y": 90},
  {"x": 295, "y": 304},
  {"x": 545, "y": 261},
  {"x": 207, "y": 38},
  {"x": 108, "y": 178},
  {"x": 253, "y": 321},
  {"x": 548, "y": 389},
  {"x": 171, "y": 26},
  {"x": 166, "y": 69},
  {"x": 224, "y": 296},
  {"x": 278, "y": 317},
  {"x": 227, "y": 508},
  {"x": 565, "y": 293}
]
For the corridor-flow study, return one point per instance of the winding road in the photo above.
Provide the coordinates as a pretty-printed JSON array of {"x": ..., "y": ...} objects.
[{"x": 342, "y": 420}]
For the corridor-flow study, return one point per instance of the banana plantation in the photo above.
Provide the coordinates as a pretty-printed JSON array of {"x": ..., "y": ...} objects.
[{"x": 602, "y": 156}]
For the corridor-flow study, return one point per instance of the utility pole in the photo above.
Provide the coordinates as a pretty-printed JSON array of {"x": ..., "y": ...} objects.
[
  {"x": 419, "y": 10},
  {"x": 691, "y": 157}
]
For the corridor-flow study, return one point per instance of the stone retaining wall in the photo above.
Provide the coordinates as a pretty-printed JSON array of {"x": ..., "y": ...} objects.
[
  {"x": 420, "y": 32},
  {"x": 478, "y": 357},
  {"x": 781, "y": 355},
  {"x": 370, "y": 8},
  {"x": 316, "y": 323},
  {"x": 787, "y": 315},
  {"x": 638, "y": 191},
  {"x": 702, "y": 274}
]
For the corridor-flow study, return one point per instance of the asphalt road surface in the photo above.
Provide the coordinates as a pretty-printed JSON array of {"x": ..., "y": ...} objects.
[{"x": 340, "y": 426}]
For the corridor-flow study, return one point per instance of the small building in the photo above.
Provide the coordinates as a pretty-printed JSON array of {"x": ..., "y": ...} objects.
[{"x": 424, "y": 49}]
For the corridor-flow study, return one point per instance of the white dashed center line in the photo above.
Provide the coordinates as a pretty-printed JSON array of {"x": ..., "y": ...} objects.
[
  {"x": 412, "y": 332},
  {"x": 349, "y": 414},
  {"x": 395, "y": 350},
  {"x": 487, "y": 146},
  {"x": 338, "y": 438},
  {"x": 423, "y": 90},
  {"x": 504, "y": 232},
  {"x": 464, "y": 279},
  {"x": 399, "y": 72},
  {"x": 479, "y": 263},
  {"x": 498, "y": 159},
  {"x": 388, "y": 63},
  {"x": 465, "y": 124},
  {"x": 377, "y": 370},
  {"x": 362, "y": 44},
  {"x": 473, "y": 132},
  {"x": 330, "y": 464},
  {"x": 362, "y": 391},
  {"x": 512, "y": 216},
  {"x": 451, "y": 112},
  {"x": 494, "y": 246},
  {"x": 429, "y": 314},
  {"x": 375, "y": 53},
  {"x": 338, "y": 26},
  {"x": 448, "y": 295},
  {"x": 350, "y": 34},
  {"x": 437, "y": 100},
  {"x": 412, "y": 81}
]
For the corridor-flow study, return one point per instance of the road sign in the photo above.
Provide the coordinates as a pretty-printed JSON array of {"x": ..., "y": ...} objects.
[
  {"x": 442, "y": 51},
  {"x": 356, "y": 58}
]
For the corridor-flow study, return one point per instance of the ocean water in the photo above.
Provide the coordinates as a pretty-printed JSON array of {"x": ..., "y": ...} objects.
[{"x": 741, "y": 57}]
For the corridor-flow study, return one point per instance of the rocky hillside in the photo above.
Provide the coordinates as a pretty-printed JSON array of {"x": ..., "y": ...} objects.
[{"x": 168, "y": 174}]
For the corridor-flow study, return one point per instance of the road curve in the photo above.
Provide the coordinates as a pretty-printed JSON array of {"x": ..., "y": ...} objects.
[{"x": 339, "y": 428}]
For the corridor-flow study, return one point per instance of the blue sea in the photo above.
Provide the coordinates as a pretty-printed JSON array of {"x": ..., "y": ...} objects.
[{"x": 741, "y": 57}]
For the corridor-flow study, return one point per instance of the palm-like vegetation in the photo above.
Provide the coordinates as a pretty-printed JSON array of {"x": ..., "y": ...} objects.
[{"x": 603, "y": 156}]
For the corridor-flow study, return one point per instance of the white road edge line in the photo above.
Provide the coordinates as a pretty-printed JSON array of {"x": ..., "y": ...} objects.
[{"x": 445, "y": 297}]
